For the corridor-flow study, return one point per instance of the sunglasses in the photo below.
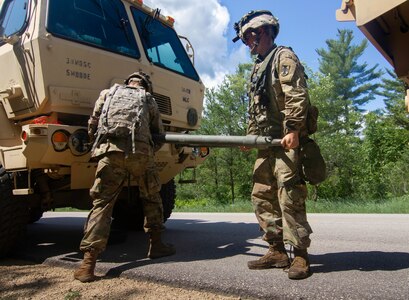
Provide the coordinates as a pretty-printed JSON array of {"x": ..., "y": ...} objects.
[{"x": 250, "y": 34}]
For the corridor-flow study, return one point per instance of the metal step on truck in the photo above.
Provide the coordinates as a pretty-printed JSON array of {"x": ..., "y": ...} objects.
[{"x": 55, "y": 58}]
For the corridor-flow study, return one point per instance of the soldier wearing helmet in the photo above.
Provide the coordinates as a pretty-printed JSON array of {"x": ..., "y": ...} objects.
[
  {"x": 250, "y": 23},
  {"x": 124, "y": 149},
  {"x": 143, "y": 80},
  {"x": 278, "y": 108}
]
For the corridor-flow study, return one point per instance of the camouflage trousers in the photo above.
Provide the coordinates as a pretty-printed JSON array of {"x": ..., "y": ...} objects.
[
  {"x": 111, "y": 174},
  {"x": 278, "y": 198}
]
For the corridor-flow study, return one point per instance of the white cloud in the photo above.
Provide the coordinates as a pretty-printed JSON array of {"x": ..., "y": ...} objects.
[{"x": 205, "y": 24}]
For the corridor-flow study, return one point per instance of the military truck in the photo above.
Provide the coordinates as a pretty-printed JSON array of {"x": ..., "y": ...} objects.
[
  {"x": 55, "y": 57},
  {"x": 386, "y": 25}
]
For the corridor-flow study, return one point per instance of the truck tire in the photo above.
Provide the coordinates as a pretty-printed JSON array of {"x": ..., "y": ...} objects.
[
  {"x": 128, "y": 213},
  {"x": 13, "y": 215}
]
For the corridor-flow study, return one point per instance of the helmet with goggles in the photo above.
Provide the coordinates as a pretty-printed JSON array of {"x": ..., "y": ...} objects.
[{"x": 253, "y": 20}]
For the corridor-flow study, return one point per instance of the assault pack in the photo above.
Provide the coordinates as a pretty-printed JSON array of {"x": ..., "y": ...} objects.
[{"x": 121, "y": 114}]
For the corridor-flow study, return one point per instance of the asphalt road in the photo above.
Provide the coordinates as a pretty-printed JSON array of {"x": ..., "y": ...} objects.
[{"x": 352, "y": 256}]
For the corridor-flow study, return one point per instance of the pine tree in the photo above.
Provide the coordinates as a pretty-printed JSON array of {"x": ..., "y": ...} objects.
[
  {"x": 353, "y": 82},
  {"x": 348, "y": 85},
  {"x": 226, "y": 173},
  {"x": 393, "y": 91}
]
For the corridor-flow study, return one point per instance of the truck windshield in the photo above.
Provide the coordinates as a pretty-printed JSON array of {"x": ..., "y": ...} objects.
[
  {"x": 100, "y": 23},
  {"x": 12, "y": 17},
  {"x": 162, "y": 45}
]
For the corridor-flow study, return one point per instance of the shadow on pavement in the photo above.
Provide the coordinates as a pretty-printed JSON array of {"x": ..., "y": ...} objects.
[
  {"x": 195, "y": 240},
  {"x": 361, "y": 260}
]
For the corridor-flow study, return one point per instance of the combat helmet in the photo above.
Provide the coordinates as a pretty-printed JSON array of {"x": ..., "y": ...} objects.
[
  {"x": 255, "y": 19},
  {"x": 145, "y": 78}
]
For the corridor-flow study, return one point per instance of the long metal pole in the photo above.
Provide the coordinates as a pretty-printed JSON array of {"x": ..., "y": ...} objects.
[{"x": 221, "y": 141}]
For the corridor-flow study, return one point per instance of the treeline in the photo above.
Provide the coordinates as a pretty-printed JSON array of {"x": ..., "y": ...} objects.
[{"x": 367, "y": 153}]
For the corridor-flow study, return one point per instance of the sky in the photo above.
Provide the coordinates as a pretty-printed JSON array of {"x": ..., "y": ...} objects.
[{"x": 304, "y": 26}]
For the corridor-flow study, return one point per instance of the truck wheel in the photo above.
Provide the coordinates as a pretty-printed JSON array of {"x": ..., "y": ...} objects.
[
  {"x": 13, "y": 215},
  {"x": 128, "y": 214}
]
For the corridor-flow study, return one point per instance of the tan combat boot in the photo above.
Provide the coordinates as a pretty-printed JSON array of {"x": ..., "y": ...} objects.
[
  {"x": 300, "y": 266},
  {"x": 85, "y": 272},
  {"x": 276, "y": 257},
  {"x": 157, "y": 248}
]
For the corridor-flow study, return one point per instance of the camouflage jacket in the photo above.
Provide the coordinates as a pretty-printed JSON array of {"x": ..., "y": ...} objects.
[
  {"x": 278, "y": 95},
  {"x": 144, "y": 146}
]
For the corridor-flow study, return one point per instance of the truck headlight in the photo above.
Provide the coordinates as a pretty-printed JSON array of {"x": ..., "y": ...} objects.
[
  {"x": 192, "y": 117},
  {"x": 59, "y": 140},
  {"x": 79, "y": 142}
]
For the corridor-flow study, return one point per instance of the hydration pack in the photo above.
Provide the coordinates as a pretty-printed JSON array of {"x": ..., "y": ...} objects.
[
  {"x": 122, "y": 110},
  {"x": 122, "y": 115}
]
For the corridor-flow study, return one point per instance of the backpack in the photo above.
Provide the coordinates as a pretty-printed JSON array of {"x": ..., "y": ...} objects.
[
  {"x": 121, "y": 114},
  {"x": 122, "y": 110}
]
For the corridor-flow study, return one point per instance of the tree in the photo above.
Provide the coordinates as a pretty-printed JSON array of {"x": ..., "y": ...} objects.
[
  {"x": 321, "y": 90},
  {"x": 393, "y": 91},
  {"x": 344, "y": 86},
  {"x": 385, "y": 157},
  {"x": 353, "y": 82},
  {"x": 226, "y": 174}
]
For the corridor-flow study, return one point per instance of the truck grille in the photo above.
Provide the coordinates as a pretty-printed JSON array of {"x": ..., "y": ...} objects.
[{"x": 164, "y": 104}]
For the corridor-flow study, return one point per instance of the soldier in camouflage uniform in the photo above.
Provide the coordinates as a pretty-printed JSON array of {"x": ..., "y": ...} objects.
[
  {"x": 119, "y": 158},
  {"x": 278, "y": 107}
]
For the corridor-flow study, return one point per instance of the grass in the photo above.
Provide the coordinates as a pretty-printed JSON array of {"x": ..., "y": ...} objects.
[
  {"x": 398, "y": 205},
  {"x": 72, "y": 295},
  {"x": 208, "y": 205},
  {"x": 69, "y": 209}
]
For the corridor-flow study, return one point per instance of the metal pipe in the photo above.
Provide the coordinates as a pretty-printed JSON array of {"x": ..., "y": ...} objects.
[{"x": 220, "y": 141}]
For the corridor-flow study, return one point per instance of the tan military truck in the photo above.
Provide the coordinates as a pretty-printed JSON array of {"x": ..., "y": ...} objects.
[
  {"x": 55, "y": 58},
  {"x": 386, "y": 25}
]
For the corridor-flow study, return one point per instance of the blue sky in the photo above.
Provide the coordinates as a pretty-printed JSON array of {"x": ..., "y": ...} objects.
[{"x": 304, "y": 25}]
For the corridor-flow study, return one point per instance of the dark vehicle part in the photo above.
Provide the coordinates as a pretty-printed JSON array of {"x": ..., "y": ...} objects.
[
  {"x": 128, "y": 210},
  {"x": 13, "y": 215}
]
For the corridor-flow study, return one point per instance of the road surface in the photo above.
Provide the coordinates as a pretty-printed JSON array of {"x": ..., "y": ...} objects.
[{"x": 353, "y": 256}]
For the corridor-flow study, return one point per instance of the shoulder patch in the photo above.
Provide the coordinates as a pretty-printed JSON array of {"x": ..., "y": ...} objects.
[
  {"x": 286, "y": 69},
  {"x": 287, "y": 63}
]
